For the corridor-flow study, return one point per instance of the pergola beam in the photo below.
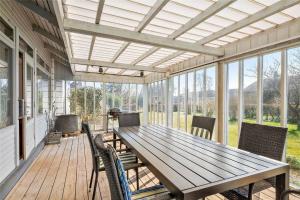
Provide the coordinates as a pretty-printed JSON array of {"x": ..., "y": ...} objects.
[
  {"x": 131, "y": 36},
  {"x": 268, "y": 11},
  {"x": 216, "y": 7},
  {"x": 115, "y": 65},
  {"x": 39, "y": 11},
  {"x": 47, "y": 35},
  {"x": 151, "y": 14}
]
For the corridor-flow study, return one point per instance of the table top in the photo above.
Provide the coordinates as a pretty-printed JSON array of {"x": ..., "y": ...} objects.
[{"x": 192, "y": 167}]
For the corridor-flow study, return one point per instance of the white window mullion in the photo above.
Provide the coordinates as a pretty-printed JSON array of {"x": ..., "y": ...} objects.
[
  {"x": 170, "y": 102},
  {"x": 226, "y": 104},
  {"x": 283, "y": 89},
  {"x": 186, "y": 101},
  {"x": 240, "y": 96},
  {"x": 178, "y": 103},
  {"x": 259, "y": 111},
  {"x": 204, "y": 96}
]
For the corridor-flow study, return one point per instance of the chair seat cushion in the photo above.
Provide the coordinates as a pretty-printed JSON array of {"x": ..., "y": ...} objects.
[{"x": 149, "y": 193}]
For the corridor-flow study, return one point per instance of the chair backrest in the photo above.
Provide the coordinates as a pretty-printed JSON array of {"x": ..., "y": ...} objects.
[
  {"x": 108, "y": 158},
  {"x": 129, "y": 119},
  {"x": 203, "y": 126},
  {"x": 263, "y": 140},
  {"x": 94, "y": 152}
]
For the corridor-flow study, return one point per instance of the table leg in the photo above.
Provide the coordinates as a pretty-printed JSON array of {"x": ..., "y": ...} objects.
[
  {"x": 282, "y": 184},
  {"x": 114, "y": 142}
]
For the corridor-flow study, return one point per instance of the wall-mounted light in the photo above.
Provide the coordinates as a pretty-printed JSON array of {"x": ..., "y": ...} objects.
[{"x": 142, "y": 73}]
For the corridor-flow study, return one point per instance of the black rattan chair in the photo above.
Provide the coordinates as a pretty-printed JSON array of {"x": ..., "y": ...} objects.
[
  {"x": 108, "y": 155},
  {"x": 263, "y": 140},
  {"x": 129, "y": 159},
  {"x": 203, "y": 126},
  {"x": 288, "y": 192}
]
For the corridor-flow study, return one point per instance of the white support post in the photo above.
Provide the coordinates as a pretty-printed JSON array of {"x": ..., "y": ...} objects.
[
  {"x": 15, "y": 106},
  {"x": 186, "y": 101},
  {"x": 226, "y": 103},
  {"x": 204, "y": 96},
  {"x": 104, "y": 107},
  {"x": 259, "y": 111},
  {"x": 35, "y": 94},
  {"x": 283, "y": 89},
  {"x": 145, "y": 103},
  {"x": 240, "y": 96},
  {"x": 170, "y": 90}
]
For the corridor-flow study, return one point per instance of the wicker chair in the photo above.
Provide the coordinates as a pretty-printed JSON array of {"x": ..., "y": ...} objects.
[
  {"x": 263, "y": 140},
  {"x": 129, "y": 159},
  {"x": 129, "y": 119},
  {"x": 288, "y": 192},
  {"x": 203, "y": 124},
  {"x": 109, "y": 158}
]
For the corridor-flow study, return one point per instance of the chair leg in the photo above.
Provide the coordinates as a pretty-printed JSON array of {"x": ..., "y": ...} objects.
[
  {"x": 137, "y": 178},
  {"x": 91, "y": 181},
  {"x": 95, "y": 185}
]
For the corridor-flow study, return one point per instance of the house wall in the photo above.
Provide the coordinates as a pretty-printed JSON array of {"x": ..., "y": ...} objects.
[{"x": 35, "y": 128}]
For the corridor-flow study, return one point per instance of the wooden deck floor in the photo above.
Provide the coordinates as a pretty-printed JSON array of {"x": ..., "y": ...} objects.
[{"x": 63, "y": 172}]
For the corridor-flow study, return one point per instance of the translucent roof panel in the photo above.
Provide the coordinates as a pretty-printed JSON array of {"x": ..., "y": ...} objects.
[
  {"x": 157, "y": 56},
  {"x": 105, "y": 49},
  {"x": 125, "y": 14},
  {"x": 293, "y": 11},
  {"x": 174, "y": 15},
  {"x": 83, "y": 10},
  {"x": 80, "y": 68},
  {"x": 178, "y": 59},
  {"x": 80, "y": 45},
  {"x": 132, "y": 52}
]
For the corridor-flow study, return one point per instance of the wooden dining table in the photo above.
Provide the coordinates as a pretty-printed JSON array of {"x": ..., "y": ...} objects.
[{"x": 192, "y": 168}]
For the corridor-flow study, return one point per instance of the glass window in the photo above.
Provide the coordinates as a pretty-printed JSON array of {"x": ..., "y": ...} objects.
[
  {"x": 29, "y": 92},
  {"x": 163, "y": 103},
  {"x": 80, "y": 100},
  {"x": 70, "y": 97},
  {"x": 233, "y": 102},
  {"x": 109, "y": 95},
  {"x": 271, "y": 88},
  {"x": 60, "y": 97},
  {"x": 250, "y": 89},
  {"x": 182, "y": 103},
  {"x": 89, "y": 103},
  {"x": 133, "y": 105},
  {"x": 175, "y": 102},
  {"x": 6, "y": 29},
  {"x": 210, "y": 91},
  {"x": 199, "y": 110},
  {"x": 43, "y": 92},
  {"x": 5, "y": 85},
  {"x": 118, "y": 97},
  {"x": 125, "y": 96},
  {"x": 98, "y": 106},
  {"x": 190, "y": 101},
  {"x": 293, "y": 119},
  {"x": 140, "y": 101}
]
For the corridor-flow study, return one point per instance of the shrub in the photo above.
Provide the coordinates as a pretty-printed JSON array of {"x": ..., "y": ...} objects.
[{"x": 294, "y": 162}]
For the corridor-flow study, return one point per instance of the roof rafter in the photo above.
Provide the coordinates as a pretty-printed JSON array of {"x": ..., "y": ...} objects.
[
  {"x": 270, "y": 10},
  {"x": 39, "y": 11},
  {"x": 131, "y": 36},
  {"x": 115, "y": 65},
  {"x": 210, "y": 11},
  {"x": 57, "y": 6},
  {"x": 147, "y": 19},
  {"x": 47, "y": 35},
  {"x": 97, "y": 21}
]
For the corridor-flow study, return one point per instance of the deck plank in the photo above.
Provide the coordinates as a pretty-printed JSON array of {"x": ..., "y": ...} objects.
[{"x": 63, "y": 172}]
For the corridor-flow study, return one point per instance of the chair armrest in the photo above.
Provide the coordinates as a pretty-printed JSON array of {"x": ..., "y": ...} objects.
[
  {"x": 133, "y": 166},
  {"x": 111, "y": 140},
  {"x": 287, "y": 192}
]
